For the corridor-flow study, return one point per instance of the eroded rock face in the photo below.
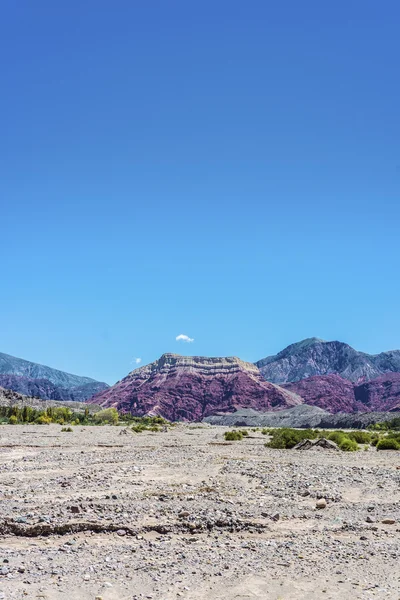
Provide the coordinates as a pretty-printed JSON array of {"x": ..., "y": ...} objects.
[
  {"x": 330, "y": 392},
  {"x": 317, "y": 357},
  {"x": 381, "y": 394},
  {"x": 32, "y": 379},
  {"x": 334, "y": 394},
  {"x": 191, "y": 388}
]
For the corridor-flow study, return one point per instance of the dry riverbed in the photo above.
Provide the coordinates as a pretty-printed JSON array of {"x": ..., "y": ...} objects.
[{"x": 98, "y": 513}]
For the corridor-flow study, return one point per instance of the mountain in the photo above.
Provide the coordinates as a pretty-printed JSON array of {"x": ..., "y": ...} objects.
[
  {"x": 381, "y": 394},
  {"x": 191, "y": 388},
  {"x": 314, "y": 356},
  {"x": 329, "y": 392},
  {"x": 334, "y": 394},
  {"x": 32, "y": 379}
]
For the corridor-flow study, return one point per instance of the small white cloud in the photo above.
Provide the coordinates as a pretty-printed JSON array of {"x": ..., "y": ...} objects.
[
  {"x": 136, "y": 361},
  {"x": 184, "y": 338}
]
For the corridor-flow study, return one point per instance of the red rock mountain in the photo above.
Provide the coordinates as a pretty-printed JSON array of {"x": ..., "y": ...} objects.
[
  {"x": 193, "y": 387},
  {"x": 330, "y": 392},
  {"x": 381, "y": 394},
  {"x": 335, "y": 394}
]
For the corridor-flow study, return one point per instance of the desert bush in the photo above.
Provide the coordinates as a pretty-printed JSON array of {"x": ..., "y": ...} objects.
[
  {"x": 244, "y": 432},
  {"x": 388, "y": 444},
  {"x": 107, "y": 416},
  {"x": 43, "y": 420},
  {"x": 348, "y": 445},
  {"x": 336, "y": 436},
  {"x": 361, "y": 437},
  {"x": 67, "y": 429},
  {"x": 233, "y": 436},
  {"x": 286, "y": 437},
  {"x": 13, "y": 420}
]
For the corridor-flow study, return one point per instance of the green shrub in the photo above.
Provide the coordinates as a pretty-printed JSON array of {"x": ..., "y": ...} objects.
[
  {"x": 348, "y": 445},
  {"x": 337, "y": 436},
  {"x": 286, "y": 437},
  {"x": 13, "y": 420},
  {"x": 67, "y": 429},
  {"x": 244, "y": 432},
  {"x": 233, "y": 436},
  {"x": 388, "y": 444},
  {"x": 361, "y": 437},
  {"x": 107, "y": 416},
  {"x": 43, "y": 420}
]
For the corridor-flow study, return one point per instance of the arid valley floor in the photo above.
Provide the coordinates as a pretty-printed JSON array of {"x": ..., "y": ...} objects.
[{"x": 98, "y": 513}]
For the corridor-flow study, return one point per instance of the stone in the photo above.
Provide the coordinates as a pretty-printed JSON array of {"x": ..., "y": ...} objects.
[
  {"x": 321, "y": 503},
  {"x": 121, "y": 532}
]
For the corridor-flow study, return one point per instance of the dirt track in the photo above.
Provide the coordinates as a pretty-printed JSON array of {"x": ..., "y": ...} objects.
[{"x": 96, "y": 513}]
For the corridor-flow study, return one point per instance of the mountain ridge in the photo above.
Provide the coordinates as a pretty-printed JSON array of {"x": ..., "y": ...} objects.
[
  {"x": 30, "y": 378},
  {"x": 314, "y": 356}
]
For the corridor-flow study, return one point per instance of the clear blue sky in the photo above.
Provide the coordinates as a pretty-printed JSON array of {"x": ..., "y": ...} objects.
[{"x": 222, "y": 169}]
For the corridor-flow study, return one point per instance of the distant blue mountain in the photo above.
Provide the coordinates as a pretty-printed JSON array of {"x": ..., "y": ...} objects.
[{"x": 32, "y": 379}]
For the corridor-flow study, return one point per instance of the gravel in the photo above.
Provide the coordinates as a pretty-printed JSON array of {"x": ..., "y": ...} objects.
[{"x": 186, "y": 514}]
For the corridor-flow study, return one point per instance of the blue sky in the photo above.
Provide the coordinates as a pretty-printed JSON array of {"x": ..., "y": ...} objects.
[{"x": 225, "y": 170}]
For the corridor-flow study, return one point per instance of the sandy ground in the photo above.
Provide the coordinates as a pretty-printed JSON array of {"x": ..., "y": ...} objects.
[{"x": 183, "y": 514}]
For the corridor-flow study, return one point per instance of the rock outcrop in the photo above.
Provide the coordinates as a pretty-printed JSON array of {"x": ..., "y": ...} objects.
[
  {"x": 32, "y": 379},
  {"x": 381, "y": 394},
  {"x": 317, "y": 357},
  {"x": 337, "y": 395},
  {"x": 183, "y": 388},
  {"x": 329, "y": 392}
]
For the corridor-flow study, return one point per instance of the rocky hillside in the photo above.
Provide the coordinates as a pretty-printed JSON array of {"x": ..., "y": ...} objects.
[
  {"x": 382, "y": 393},
  {"x": 299, "y": 416},
  {"x": 32, "y": 379},
  {"x": 190, "y": 388},
  {"x": 316, "y": 357},
  {"x": 329, "y": 392},
  {"x": 11, "y": 398},
  {"x": 334, "y": 394}
]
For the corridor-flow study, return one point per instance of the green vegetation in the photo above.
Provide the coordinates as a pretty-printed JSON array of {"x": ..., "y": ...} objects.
[
  {"x": 233, "y": 436},
  {"x": 53, "y": 414},
  {"x": 286, "y": 437},
  {"x": 67, "y": 429},
  {"x": 148, "y": 423},
  {"x": 348, "y": 445},
  {"x": 63, "y": 415},
  {"x": 393, "y": 424},
  {"x": 388, "y": 443},
  {"x": 108, "y": 416}
]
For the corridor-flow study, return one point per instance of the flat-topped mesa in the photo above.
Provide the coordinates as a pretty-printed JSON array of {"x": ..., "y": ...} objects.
[
  {"x": 192, "y": 387},
  {"x": 208, "y": 365}
]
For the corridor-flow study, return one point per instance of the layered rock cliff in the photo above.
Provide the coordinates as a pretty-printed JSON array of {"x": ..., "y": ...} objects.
[{"x": 191, "y": 388}]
